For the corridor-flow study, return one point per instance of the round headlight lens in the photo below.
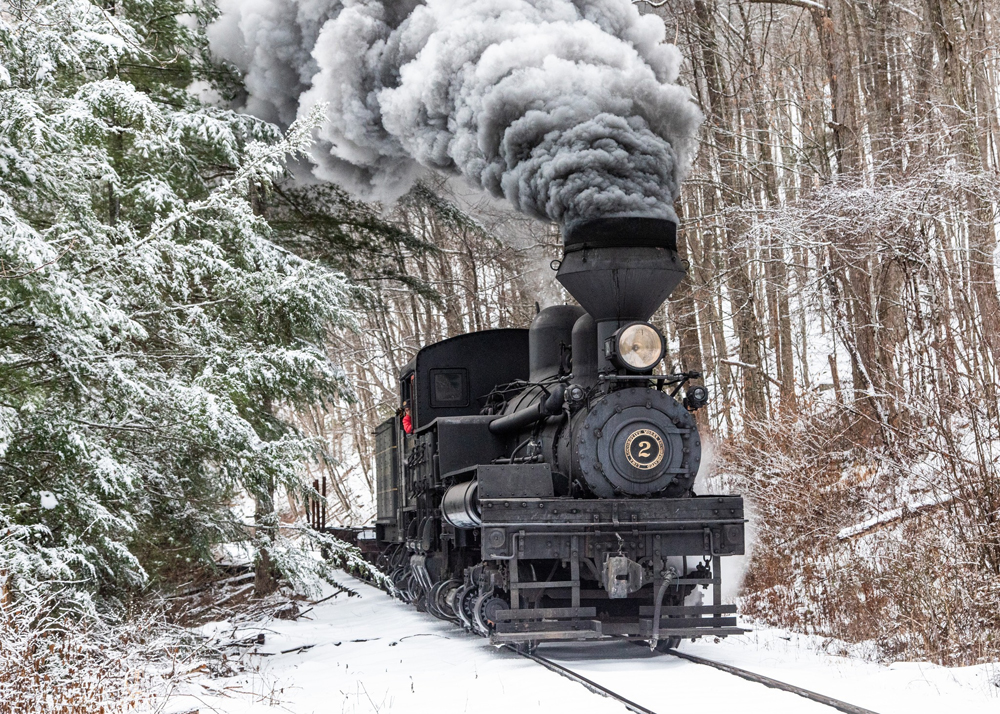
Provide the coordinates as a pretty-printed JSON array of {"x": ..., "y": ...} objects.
[{"x": 640, "y": 346}]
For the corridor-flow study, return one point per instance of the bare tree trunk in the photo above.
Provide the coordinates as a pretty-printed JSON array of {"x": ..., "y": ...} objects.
[
  {"x": 843, "y": 124},
  {"x": 777, "y": 273},
  {"x": 685, "y": 318},
  {"x": 740, "y": 287},
  {"x": 265, "y": 516},
  {"x": 982, "y": 232},
  {"x": 265, "y": 579}
]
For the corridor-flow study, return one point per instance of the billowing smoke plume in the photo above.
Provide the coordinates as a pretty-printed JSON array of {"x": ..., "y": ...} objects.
[{"x": 567, "y": 108}]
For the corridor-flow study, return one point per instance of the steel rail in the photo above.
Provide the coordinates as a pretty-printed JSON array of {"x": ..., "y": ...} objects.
[
  {"x": 774, "y": 684},
  {"x": 736, "y": 671},
  {"x": 580, "y": 679}
]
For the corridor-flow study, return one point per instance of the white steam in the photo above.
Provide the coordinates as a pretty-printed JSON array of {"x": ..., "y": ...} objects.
[{"x": 567, "y": 108}]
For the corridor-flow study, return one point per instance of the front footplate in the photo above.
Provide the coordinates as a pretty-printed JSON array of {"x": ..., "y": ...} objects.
[
  {"x": 584, "y": 623},
  {"x": 679, "y": 542},
  {"x": 543, "y": 528}
]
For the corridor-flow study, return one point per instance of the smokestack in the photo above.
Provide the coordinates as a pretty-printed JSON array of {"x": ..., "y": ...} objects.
[{"x": 620, "y": 268}]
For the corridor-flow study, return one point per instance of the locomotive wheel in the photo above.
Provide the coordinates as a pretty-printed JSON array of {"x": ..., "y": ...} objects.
[
  {"x": 477, "y": 619},
  {"x": 458, "y": 605},
  {"x": 487, "y": 606},
  {"x": 467, "y": 606},
  {"x": 446, "y": 599},
  {"x": 406, "y": 585},
  {"x": 413, "y": 589},
  {"x": 456, "y": 599},
  {"x": 432, "y": 607},
  {"x": 437, "y": 601},
  {"x": 451, "y": 597},
  {"x": 398, "y": 576}
]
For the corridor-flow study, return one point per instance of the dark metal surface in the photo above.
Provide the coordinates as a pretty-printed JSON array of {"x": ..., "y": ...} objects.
[
  {"x": 515, "y": 481},
  {"x": 585, "y": 352},
  {"x": 610, "y": 515},
  {"x": 491, "y": 357},
  {"x": 549, "y": 612},
  {"x": 621, "y": 268},
  {"x": 466, "y": 441},
  {"x": 386, "y": 472},
  {"x": 543, "y": 408},
  {"x": 615, "y": 231},
  {"x": 460, "y": 505},
  {"x": 550, "y": 338},
  {"x": 600, "y": 456},
  {"x": 621, "y": 284}
]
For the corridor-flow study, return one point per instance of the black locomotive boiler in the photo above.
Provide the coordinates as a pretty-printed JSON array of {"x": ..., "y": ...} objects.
[{"x": 545, "y": 492}]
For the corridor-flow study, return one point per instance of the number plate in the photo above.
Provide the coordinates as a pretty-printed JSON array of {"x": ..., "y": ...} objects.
[{"x": 644, "y": 449}]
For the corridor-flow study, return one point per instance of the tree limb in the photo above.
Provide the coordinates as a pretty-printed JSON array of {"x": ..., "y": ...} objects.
[
  {"x": 744, "y": 365},
  {"x": 807, "y": 4}
]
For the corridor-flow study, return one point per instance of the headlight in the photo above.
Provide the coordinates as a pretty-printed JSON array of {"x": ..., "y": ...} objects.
[{"x": 639, "y": 346}]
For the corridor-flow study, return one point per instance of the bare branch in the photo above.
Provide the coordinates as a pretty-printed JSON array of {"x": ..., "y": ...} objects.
[
  {"x": 807, "y": 4},
  {"x": 744, "y": 365}
]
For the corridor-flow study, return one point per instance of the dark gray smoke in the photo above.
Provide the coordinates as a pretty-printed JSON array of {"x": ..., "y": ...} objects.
[{"x": 567, "y": 108}]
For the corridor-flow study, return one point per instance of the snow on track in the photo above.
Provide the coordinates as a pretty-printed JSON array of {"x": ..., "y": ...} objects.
[
  {"x": 664, "y": 683},
  {"x": 667, "y": 684},
  {"x": 899, "y": 688},
  {"x": 375, "y": 654}
]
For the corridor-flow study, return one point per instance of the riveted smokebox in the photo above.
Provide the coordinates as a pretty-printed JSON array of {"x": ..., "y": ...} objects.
[{"x": 621, "y": 268}]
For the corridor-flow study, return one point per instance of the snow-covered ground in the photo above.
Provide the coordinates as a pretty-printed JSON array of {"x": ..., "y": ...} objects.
[{"x": 374, "y": 654}]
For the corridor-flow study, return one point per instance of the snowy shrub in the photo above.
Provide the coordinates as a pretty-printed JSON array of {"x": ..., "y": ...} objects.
[
  {"x": 891, "y": 548},
  {"x": 54, "y": 663}
]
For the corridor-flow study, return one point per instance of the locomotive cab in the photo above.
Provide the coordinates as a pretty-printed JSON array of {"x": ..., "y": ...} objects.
[{"x": 546, "y": 492}]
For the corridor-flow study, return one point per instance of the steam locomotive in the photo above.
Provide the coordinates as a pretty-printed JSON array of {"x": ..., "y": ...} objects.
[{"x": 545, "y": 492}]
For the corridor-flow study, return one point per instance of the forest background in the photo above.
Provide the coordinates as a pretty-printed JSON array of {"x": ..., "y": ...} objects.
[{"x": 191, "y": 336}]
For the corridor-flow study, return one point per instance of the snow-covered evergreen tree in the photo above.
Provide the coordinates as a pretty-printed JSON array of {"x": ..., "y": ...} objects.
[{"x": 150, "y": 330}]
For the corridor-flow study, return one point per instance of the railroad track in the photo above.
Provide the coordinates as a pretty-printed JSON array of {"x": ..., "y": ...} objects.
[
  {"x": 736, "y": 671},
  {"x": 775, "y": 684},
  {"x": 588, "y": 683}
]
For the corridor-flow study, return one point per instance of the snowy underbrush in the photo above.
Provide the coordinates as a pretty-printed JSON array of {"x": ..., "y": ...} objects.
[
  {"x": 61, "y": 653},
  {"x": 57, "y": 660},
  {"x": 890, "y": 545},
  {"x": 234, "y": 636},
  {"x": 307, "y": 562}
]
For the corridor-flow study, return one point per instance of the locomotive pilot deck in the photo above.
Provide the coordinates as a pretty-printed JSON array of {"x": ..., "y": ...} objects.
[{"x": 579, "y": 532}]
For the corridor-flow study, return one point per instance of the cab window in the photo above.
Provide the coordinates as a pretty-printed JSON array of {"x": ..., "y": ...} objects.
[{"x": 449, "y": 388}]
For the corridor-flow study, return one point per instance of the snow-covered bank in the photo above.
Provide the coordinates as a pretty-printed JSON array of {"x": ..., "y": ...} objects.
[
  {"x": 374, "y": 654},
  {"x": 900, "y": 688},
  {"x": 816, "y": 663}
]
